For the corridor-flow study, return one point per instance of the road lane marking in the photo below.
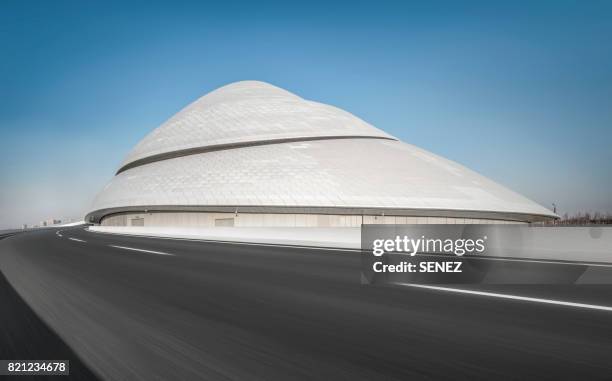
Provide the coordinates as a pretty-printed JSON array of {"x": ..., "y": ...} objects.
[
  {"x": 140, "y": 250},
  {"x": 512, "y": 297},
  {"x": 260, "y": 244},
  {"x": 59, "y": 233},
  {"x": 76, "y": 239}
]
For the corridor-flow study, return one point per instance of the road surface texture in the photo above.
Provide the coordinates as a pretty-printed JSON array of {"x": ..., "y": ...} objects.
[
  {"x": 23, "y": 335},
  {"x": 136, "y": 308}
]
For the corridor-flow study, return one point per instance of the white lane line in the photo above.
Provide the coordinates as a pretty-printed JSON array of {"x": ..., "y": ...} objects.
[
  {"x": 59, "y": 233},
  {"x": 140, "y": 250},
  {"x": 266, "y": 244},
  {"x": 512, "y": 297},
  {"x": 76, "y": 239}
]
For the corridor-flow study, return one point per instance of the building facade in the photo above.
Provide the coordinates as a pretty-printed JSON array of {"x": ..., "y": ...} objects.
[{"x": 252, "y": 154}]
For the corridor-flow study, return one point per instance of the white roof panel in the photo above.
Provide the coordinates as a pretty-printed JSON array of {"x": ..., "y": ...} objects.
[{"x": 325, "y": 173}]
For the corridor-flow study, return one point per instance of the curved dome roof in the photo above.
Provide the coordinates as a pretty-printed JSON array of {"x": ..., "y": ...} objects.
[
  {"x": 247, "y": 112},
  {"x": 313, "y": 157}
]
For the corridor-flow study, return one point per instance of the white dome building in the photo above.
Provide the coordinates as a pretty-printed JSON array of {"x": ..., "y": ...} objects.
[{"x": 252, "y": 154}]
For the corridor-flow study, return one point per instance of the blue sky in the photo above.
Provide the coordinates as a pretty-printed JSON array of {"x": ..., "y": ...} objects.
[{"x": 518, "y": 91}]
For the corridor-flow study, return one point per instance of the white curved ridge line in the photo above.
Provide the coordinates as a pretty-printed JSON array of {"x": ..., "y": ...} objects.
[
  {"x": 196, "y": 150},
  {"x": 248, "y": 111}
]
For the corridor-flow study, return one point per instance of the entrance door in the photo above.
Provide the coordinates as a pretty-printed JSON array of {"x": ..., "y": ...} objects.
[
  {"x": 224, "y": 222},
  {"x": 138, "y": 221}
]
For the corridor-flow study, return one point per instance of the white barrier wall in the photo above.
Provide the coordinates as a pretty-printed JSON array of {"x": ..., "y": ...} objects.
[{"x": 348, "y": 238}]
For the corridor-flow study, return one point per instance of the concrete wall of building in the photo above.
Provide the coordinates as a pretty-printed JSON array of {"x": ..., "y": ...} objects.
[{"x": 208, "y": 220}]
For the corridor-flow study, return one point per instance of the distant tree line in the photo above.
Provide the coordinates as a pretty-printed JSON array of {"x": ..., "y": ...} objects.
[{"x": 586, "y": 218}]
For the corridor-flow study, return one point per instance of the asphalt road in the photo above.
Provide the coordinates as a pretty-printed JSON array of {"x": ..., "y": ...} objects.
[{"x": 194, "y": 310}]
